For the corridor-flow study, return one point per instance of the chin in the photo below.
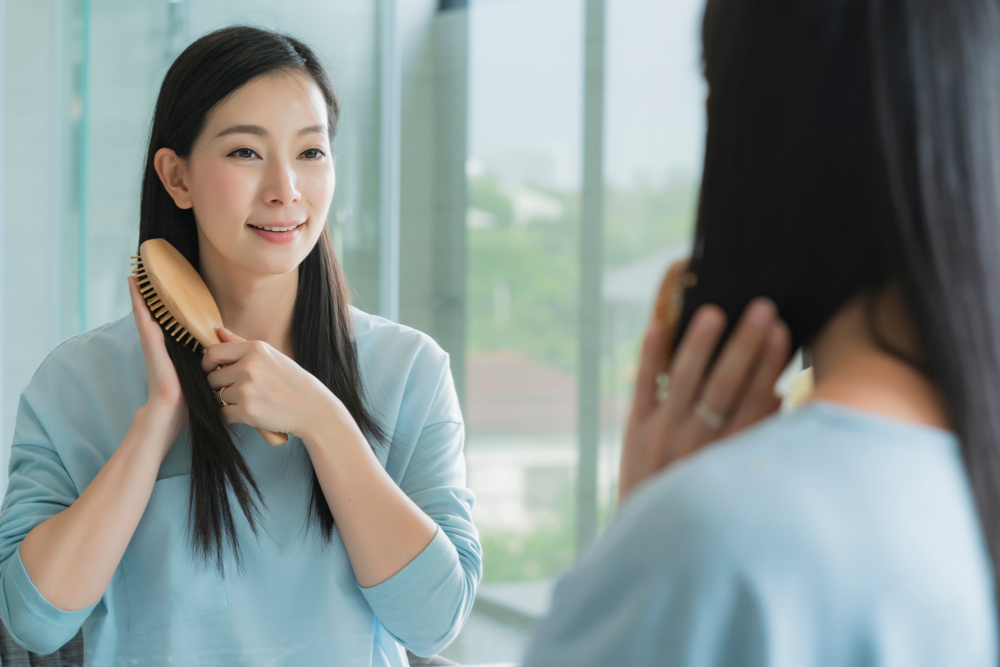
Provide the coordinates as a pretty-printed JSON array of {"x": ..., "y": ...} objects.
[
  {"x": 274, "y": 262},
  {"x": 275, "y": 266}
]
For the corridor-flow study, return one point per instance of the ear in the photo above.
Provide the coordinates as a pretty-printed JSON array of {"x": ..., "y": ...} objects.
[{"x": 172, "y": 171}]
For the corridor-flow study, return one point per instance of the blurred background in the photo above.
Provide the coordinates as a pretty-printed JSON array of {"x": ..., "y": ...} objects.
[{"x": 514, "y": 177}]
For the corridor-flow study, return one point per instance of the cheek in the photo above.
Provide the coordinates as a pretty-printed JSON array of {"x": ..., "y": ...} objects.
[
  {"x": 318, "y": 187},
  {"x": 220, "y": 192}
]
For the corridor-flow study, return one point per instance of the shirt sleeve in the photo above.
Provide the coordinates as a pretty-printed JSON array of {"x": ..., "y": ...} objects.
[
  {"x": 425, "y": 604},
  {"x": 659, "y": 589},
  {"x": 38, "y": 488}
]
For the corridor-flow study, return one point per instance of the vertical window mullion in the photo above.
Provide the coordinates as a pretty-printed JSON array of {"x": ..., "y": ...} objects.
[
  {"x": 390, "y": 103},
  {"x": 591, "y": 270}
]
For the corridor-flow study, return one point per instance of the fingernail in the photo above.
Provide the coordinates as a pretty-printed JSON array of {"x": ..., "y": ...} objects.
[
  {"x": 762, "y": 311},
  {"x": 706, "y": 322}
]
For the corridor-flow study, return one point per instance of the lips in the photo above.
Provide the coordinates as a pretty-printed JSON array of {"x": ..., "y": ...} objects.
[
  {"x": 278, "y": 233},
  {"x": 287, "y": 227}
]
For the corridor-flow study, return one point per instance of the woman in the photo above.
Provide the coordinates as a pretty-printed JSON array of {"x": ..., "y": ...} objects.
[
  {"x": 349, "y": 543},
  {"x": 851, "y": 175}
]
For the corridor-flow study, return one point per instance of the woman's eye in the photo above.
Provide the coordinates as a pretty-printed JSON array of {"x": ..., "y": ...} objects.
[
  {"x": 245, "y": 153},
  {"x": 313, "y": 154}
]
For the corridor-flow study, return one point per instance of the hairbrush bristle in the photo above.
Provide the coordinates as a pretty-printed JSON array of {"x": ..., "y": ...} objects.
[{"x": 158, "y": 308}]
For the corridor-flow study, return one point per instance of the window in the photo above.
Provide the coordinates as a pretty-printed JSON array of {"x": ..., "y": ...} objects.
[{"x": 491, "y": 152}]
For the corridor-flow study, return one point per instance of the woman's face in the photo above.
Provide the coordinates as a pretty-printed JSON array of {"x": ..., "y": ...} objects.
[{"x": 260, "y": 176}]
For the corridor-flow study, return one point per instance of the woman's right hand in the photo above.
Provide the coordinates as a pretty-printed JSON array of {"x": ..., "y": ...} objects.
[{"x": 166, "y": 399}]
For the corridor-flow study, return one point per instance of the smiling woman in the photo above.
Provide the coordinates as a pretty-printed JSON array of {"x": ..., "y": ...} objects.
[{"x": 354, "y": 540}]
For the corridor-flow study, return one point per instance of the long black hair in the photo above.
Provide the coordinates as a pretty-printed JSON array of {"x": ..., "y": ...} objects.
[
  {"x": 852, "y": 143},
  {"x": 205, "y": 74}
]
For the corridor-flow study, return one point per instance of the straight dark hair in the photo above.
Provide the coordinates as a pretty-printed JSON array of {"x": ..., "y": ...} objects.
[
  {"x": 205, "y": 74},
  {"x": 852, "y": 143}
]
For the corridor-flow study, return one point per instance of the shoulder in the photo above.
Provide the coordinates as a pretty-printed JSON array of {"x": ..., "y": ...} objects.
[
  {"x": 782, "y": 529},
  {"x": 398, "y": 343},
  {"x": 405, "y": 372},
  {"x": 86, "y": 391},
  {"x": 802, "y": 492},
  {"x": 103, "y": 353},
  {"x": 777, "y": 467}
]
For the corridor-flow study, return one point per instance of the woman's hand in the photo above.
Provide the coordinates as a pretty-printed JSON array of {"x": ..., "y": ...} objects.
[
  {"x": 166, "y": 398},
  {"x": 702, "y": 404},
  {"x": 266, "y": 389}
]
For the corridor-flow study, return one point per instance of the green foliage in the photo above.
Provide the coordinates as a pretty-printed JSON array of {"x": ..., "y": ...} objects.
[
  {"x": 641, "y": 221},
  {"x": 535, "y": 266},
  {"x": 486, "y": 194},
  {"x": 544, "y": 553}
]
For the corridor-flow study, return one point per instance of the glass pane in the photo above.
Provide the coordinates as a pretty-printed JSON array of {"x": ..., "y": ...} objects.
[
  {"x": 654, "y": 131},
  {"x": 523, "y": 175},
  {"x": 43, "y": 132}
]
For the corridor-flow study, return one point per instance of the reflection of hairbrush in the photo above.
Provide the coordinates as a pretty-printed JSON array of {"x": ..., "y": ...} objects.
[
  {"x": 180, "y": 301},
  {"x": 670, "y": 301}
]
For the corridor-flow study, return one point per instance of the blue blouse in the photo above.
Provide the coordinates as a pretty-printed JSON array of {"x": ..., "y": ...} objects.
[
  {"x": 828, "y": 538},
  {"x": 298, "y": 602}
]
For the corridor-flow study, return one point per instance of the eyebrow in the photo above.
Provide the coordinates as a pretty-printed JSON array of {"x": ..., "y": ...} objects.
[{"x": 261, "y": 132}]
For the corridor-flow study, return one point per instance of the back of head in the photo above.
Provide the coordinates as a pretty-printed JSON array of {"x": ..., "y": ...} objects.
[
  {"x": 853, "y": 142},
  {"x": 791, "y": 204}
]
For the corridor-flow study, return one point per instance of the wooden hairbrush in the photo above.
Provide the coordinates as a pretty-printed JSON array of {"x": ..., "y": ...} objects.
[
  {"x": 180, "y": 301},
  {"x": 667, "y": 311},
  {"x": 670, "y": 301}
]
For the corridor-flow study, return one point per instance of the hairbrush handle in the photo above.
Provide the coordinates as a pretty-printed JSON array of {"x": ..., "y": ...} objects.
[
  {"x": 669, "y": 301},
  {"x": 272, "y": 438}
]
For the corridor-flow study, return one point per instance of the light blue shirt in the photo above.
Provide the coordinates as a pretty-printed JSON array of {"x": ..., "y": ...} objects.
[
  {"x": 298, "y": 602},
  {"x": 828, "y": 538}
]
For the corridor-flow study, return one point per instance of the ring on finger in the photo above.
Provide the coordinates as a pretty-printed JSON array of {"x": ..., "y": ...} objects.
[
  {"x": 220, "y": 395},
  {"x": 710, "y": 417},
  {"x": 662, "y": 383}
]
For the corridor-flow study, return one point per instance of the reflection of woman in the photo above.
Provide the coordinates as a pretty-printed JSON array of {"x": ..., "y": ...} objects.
[
  {"x": 118, "y": 514},
  {"x": 851, "y": 175}
]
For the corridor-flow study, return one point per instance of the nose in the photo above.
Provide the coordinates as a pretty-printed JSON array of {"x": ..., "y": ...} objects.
[{"x": 280, "y": 185}]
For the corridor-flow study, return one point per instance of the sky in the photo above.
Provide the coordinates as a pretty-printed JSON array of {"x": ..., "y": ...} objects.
[{"x": 526, "y": 88}]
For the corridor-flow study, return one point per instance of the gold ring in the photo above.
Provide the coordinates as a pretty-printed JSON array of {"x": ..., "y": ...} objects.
[
  {"x": 712, "y": 419},
  {"x": 220, "y": 396}
]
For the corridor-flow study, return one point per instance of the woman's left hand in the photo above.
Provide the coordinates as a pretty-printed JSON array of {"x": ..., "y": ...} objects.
[
  {"x": 266, "y": 389},
  {"x": 705, "y": 401}
]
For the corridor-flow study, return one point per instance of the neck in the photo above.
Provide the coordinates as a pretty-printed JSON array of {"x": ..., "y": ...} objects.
[
  {"x": 253, "y": 306},
  {"x": 852, "y": 369}
]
